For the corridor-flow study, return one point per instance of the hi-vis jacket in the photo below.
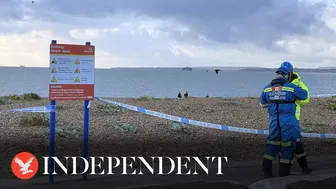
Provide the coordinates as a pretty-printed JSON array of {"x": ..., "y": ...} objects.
[
  {"x": 279, "y": 97},
  {"x": 297, "y": 81}
]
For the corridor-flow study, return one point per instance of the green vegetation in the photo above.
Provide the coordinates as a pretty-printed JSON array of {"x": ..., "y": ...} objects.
[
  {"x": 179, "y": 127},
  {"x": 307, "y": 129},
  {"x": 110, "y": 109},
  {"x": 125, "y": 127},
  {"x": 330, "y": 141},
  {"x": 19, "y": 98},
  {"x": 145, "y": 98},
  {"x": 31, "y": 96},
  {"x": 68, "y": 133},
  {"x": 35, "y": 119},
  {"x": 332, "y": 104}
]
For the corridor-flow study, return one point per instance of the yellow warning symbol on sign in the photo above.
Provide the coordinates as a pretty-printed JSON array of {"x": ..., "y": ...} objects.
[
  {"x": 77, "y": 71},
  {"x": 54, "y": 70},
  {"x": 77, "y": 79},
  {"x": 54, "y": 61},
  {"x": 53, "y": 79},
  {"x": 77, "y": 62}
]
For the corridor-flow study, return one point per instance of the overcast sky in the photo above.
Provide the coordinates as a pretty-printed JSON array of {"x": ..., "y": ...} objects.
[{"x": 172, "y": 33}]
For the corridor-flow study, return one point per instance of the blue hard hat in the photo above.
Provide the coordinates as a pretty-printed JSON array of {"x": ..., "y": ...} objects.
[{"x": 286, "y": 68}]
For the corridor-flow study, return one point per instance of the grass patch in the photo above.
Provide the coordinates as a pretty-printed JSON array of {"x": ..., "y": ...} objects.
[
  {"x": 145, "y": 98},
  {"x": 68, "y": 133},
  {"x": 2, "y": 101},
  {"x": 330, "y": 141},
  {"x": 18, "y": 98},
  {"x": 110, "y": 109},
  {"x": 307, "y": 129},
  {"x": 31, "y": 96},
  {"x": 35, "y": 119},
  {"x": 332, "y": 105},
  {"x": 178, "y": 127},
  {"x": 125, "y": 127}
]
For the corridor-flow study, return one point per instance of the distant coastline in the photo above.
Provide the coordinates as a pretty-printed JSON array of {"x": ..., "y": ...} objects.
[
  {"x": 317, "y": 70},
  {"x": 243, "y": 69}
]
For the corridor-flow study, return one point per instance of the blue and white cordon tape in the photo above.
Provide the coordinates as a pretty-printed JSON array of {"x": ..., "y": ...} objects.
[
  {"x": 205, "y": 124},
  {"x": 33, "y": 109},
  {"x": 172, "y": 118}
]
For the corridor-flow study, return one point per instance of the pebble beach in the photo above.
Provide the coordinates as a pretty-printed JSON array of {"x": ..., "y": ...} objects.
[{"x": 124, "y": 132}]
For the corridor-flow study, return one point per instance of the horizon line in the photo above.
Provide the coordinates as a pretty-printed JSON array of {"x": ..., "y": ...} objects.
[{"x": 203, "y": 67}]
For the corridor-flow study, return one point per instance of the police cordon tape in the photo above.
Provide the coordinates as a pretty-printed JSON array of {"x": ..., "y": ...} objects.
[
  {"x": 205, "y": 124},
  {"x": 32, "y": 109},
  {"x": 172, "y": 118}
]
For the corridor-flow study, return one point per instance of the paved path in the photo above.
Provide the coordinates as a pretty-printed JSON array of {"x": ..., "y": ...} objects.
[{"x": 242, "y": 172}]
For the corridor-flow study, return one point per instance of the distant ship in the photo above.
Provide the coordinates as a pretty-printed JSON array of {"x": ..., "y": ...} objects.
[
  {"x": 22, "y": 66},
  {"x": 186, "y": 69}
]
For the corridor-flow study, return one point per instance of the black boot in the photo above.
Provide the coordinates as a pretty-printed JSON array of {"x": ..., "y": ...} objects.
[
  {"x": 304, "y": 165},
  {"x": 267, "y": 167},
  {"x": 284, "y": 169}
]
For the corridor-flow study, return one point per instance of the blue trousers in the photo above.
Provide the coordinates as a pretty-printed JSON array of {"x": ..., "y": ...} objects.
[{"x": 274, "y": 146}]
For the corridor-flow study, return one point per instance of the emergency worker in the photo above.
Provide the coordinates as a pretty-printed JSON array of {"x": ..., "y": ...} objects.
[
  {"x": 300, "y": 153},
  {"x": 279, "y": 98}
]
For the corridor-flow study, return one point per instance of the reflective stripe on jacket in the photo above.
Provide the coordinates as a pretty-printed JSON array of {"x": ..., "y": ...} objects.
[
  {"x": 281, "y": 109},
  {"x": 297, "y": 81}
]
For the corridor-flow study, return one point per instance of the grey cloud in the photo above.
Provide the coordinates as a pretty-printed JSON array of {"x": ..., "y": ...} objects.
[
  {"x": 11, "y": 10},
  {"x": 261, "y": 22}
]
